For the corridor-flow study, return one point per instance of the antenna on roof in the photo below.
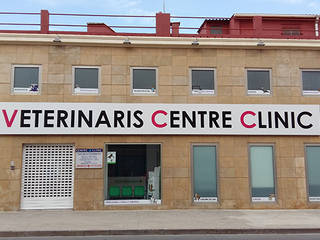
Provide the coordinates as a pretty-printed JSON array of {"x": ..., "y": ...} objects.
[{"x": 164, "y": 6}]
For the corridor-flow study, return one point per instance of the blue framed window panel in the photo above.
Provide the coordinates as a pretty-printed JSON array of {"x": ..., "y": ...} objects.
[
  {"x": 205, "y": 173},
  {"x": 313, "y": 172},
  {"x": 262, "y": 173}
]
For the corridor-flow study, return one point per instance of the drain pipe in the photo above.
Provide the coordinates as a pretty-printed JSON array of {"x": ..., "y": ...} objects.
[{"x": 316, "y": 26}]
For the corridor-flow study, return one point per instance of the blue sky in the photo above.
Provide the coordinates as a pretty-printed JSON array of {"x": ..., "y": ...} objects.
[{"x": 147, "y": 7}]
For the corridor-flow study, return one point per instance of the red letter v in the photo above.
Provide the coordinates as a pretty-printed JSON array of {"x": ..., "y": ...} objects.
[{"x": 9, "y": 122}]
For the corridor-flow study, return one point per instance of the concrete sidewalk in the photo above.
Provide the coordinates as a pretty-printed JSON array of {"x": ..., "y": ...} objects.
[{"x": 63, "y": 223}]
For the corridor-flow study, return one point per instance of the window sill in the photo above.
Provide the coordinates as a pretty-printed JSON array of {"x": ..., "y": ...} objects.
[
  {"x": 25, "y": 93},
  {"x": 131, "y": 202},
  {"x": 202, "y": 92},
  {"x": 144, "y": 92},
  {"x": 263, "y": 200},
  {"x": 86, "y": 91},
  {"x": 258, "y": 93},
  {"x": 311, "y": 93},
  {"x": 314, "y": 199},
  {"x": 206, "y": 200}
]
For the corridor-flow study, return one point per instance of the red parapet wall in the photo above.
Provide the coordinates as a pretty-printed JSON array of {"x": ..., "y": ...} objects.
[{"x": 238, "y": 26}]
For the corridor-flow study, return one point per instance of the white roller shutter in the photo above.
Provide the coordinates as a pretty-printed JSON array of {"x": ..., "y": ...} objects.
[{"x": 47, "y": 176}]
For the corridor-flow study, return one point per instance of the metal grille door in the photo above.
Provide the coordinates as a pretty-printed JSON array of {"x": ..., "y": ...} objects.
[{"x": 47, "y": 176}]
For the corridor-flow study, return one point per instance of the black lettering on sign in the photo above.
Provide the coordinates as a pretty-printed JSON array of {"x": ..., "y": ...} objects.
[
  {"x": 137, "y": 117},
  {"x": 260, "y": 123},
  {"x": 47, "y": 118},
  {"x": 24, "y": 117},
  {"x": 36, "y": 117},
  {"x": 117, "y": 118},
  {"x": 103, "y": 119},
  {"x": 83, "y": 117},
  {"x": 213, "y": 119},
  {"x": 226, "y": 116},
  {"x": 299, "y": 120},
  {"x": 284, "y": 121},
  {"x": 174, "y": 118},
  {"x": 202, "y": 113},
  {"x": 62, "y": 115},
  {"x": 191, "y": 120}
]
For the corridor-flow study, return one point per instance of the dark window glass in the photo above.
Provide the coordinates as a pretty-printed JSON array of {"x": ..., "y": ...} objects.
[
  {"x": 144, "y": 79},
  {"x": 216, "y": 30},
  {"x": 203, "y": 79},
  {"x": 311, "y": 80},
  {"x": 136, "y": 172},
  {"x": 259, "y": 80},
  {"x": 86, "y": 78},
  {"x": 26, "y": 77},
  {"x": 313, "y": 168}
]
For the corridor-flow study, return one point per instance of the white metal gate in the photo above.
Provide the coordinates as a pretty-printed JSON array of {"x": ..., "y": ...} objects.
[{"x": 47, "y": 176}]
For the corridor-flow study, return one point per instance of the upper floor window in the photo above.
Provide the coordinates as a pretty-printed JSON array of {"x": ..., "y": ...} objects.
[
  {"x": 26, "y": 79},
  {"x": 216, "y": 30},
  {"x": 258, "y": 81},
  {"x": 202, "y": 81},
  {"x": 144, "y": 80},
  {"x": 311, "y": 82},
  {"x": 86, "y": 80}
]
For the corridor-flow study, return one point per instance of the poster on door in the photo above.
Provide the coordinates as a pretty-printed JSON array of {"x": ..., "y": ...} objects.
[{"x": 89, "y": 157}]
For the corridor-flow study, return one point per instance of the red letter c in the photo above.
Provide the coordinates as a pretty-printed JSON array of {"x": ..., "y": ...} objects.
[
  {"x": 242, "y": 119},
  {"x": 154, "y": 116}
]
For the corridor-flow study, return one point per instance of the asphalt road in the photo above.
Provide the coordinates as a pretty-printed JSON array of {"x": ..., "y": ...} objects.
[{"x": 183, "y": 237}]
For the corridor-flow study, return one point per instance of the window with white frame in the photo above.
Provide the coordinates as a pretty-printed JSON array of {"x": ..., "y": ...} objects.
[
  {"x": 26, "y": 79},
  {"x": 258, "y": 81},
  {"x": 204, "y": 173},
  {"x": 262, "y": 173},
  {"x": 311, "y": 82},
  {"x": 86, "y": 80},
  {"x": 313, "y": 173},
  {"x": 144, "y": 80},
  {"x": 202, "y": 81}
]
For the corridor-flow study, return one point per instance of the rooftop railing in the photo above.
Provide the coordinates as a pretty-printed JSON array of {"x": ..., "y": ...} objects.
[{"x": 160, "y": 24}]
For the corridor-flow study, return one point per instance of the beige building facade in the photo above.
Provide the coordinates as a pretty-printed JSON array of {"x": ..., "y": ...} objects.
[{"x": 173, "y": 59}]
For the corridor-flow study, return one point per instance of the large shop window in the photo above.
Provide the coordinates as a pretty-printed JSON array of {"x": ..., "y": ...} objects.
[
  {"x": 311, "y": 82},
  {"x": 202, "y": 81},
  {"x": 86, "y": 80},
  {"x": 313, "y": 172},
  {"x": 26, "y": 79},
  {"x": 204, "y": 173},
  {"x": 262, "y": 174},
  {"x": 133, "y": 174},
  {"x": 144, "y": 80},
  {"x": 258, "y": 81}
]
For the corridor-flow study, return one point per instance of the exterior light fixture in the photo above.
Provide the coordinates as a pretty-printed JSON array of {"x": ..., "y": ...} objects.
[
  {"x": 12, "y": 165},
  {"x": 126, "y": 41},
  {"x": 261, "y": 43},
  {"x": 57, "y": 39},
  {"x": 195, "y": 43}
]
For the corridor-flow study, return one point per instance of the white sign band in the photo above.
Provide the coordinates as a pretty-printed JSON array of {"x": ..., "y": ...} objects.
[{"x": 175, "y": 119}]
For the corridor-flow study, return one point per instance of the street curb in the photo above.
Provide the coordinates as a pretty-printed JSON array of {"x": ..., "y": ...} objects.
[{"x": 157, "y": 232}]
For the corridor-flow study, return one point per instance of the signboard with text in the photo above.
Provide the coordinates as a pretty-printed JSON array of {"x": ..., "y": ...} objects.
[
  {"x": 176, "y": 119},
  {"x": 89, "y": 157}
]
